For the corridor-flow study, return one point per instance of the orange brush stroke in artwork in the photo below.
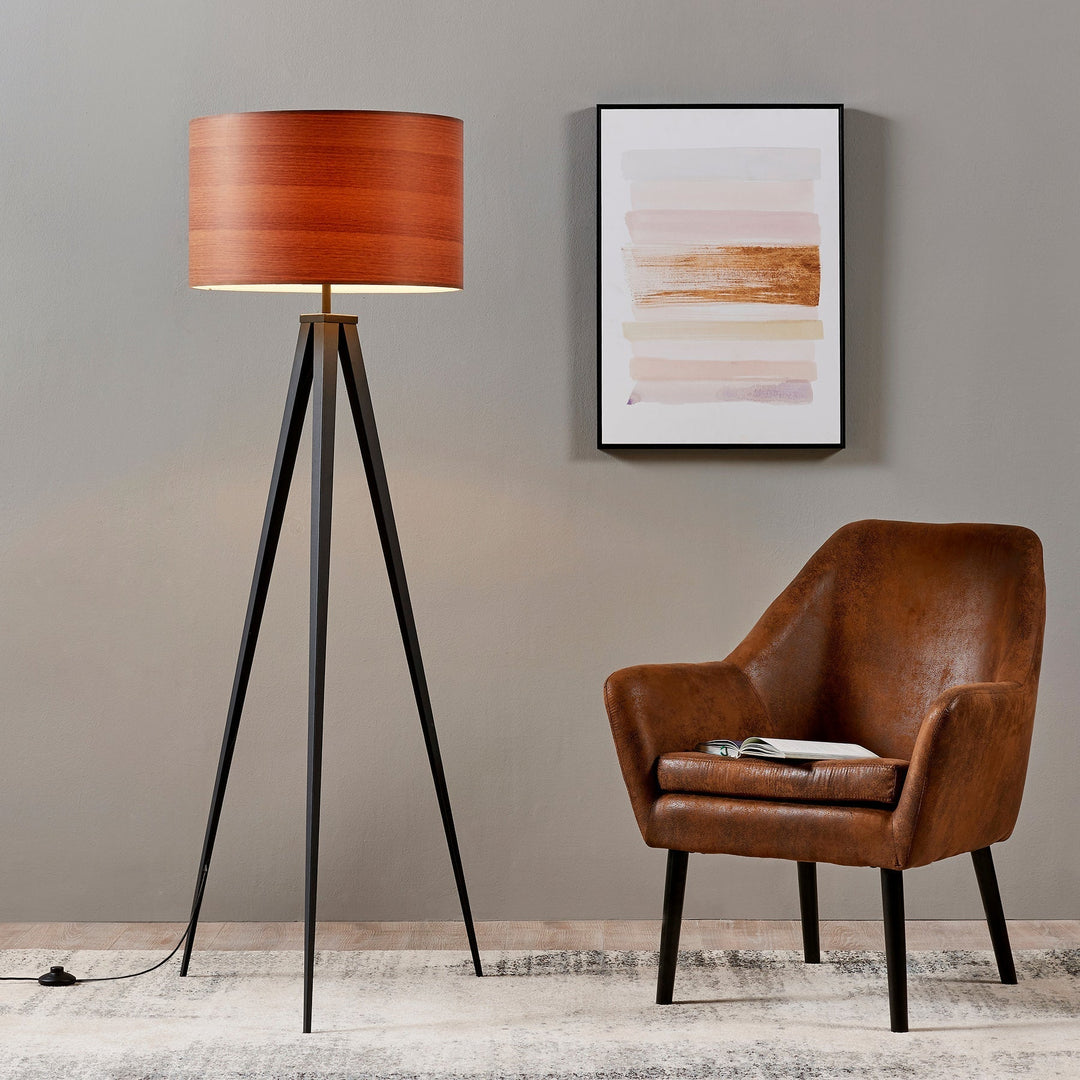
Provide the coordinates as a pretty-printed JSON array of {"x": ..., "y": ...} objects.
[{"x": 737, "y": 274}]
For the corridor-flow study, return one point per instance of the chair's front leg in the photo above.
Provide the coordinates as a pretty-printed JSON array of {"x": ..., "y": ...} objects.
[
  {"x": 808, "y": 911},
  {"x": 995, "y": 914},
  {"x": 674, "y": 891},
  {"x": 892, "y": 903}
]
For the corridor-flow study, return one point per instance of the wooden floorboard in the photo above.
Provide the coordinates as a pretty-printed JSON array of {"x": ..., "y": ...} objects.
[
  {"x": 259, "y": 935},
  {"x": 67, "y": 935},
  {"x": 632, "y": 934},
  {"x": 554, "y": 934},
  {"x": 535, "y": 935}
]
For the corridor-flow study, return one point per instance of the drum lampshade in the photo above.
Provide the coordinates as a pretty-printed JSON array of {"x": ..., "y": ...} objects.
[{"x": 290, "y": 201}]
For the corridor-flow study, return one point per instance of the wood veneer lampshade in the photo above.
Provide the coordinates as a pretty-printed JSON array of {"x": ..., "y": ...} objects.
[{"x": 290, "y": 201}]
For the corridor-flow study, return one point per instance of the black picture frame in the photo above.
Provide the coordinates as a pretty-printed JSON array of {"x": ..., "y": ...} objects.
[{"x": 832, "y": 411}]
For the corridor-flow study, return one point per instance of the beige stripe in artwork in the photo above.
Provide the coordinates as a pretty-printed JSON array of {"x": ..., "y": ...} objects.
[
  {"x": 723, "y": 195},
  {"x": 715, "y": 274},
  {"x": 699, "y": 227},
  {"x": 789, "y": 352},
  {"x": 769, "y": 312},
  {"x": 779, "y": 392},
  {"x": 781, "y": 330},
  {"x": 661, "y": 367}
]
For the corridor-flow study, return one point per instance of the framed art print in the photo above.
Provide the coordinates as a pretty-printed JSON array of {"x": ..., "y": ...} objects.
[{"x": 720, "y": 276}]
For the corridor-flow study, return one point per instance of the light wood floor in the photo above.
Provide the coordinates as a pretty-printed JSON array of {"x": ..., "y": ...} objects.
[{"x": 701, "y": 934}]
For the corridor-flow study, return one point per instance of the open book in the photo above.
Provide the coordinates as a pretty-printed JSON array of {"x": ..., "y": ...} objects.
[{"x": 785, "y": 749}]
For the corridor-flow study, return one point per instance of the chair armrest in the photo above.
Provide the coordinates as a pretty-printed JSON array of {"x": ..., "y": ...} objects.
[
  {"x": 657, "y": 709},
  {"x": 966, "y": 778}
]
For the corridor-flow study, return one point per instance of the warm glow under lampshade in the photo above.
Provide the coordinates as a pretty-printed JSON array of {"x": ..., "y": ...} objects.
[{"x": 290, "y": 201}]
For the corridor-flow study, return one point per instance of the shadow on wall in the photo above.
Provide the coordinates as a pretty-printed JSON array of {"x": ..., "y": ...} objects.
[{"x": 865, "y": 160}]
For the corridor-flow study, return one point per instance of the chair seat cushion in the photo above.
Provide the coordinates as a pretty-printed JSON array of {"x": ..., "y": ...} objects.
[{"x": 876, "y": 781}]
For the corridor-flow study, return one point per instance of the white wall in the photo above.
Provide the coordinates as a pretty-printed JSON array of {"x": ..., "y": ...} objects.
[{"x": 138, "y": 420}]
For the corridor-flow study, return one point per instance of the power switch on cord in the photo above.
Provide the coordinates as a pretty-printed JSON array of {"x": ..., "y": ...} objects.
[{"x": 57, "y": 976}]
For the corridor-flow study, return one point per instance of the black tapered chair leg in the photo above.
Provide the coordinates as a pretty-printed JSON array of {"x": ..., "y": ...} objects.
[
  {"x": 674, "y": 891},
  {"x": 995, "y": 914},
  {"x": 808, "y": 912},
  {"x": 892, "y": 903}
]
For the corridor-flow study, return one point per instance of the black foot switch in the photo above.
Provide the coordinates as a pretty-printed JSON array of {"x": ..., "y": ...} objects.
[{"x": 57, "y": 976}]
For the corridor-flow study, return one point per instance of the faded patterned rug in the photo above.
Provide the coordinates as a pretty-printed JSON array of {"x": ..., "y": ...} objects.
[{"x": 550, "y": 1015}]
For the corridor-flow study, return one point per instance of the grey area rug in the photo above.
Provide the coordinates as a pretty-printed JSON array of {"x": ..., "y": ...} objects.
[{"x": 551, "y": 1015}]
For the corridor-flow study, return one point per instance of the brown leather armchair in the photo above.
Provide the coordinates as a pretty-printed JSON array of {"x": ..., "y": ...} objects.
[{"x": 920, "y": 642}]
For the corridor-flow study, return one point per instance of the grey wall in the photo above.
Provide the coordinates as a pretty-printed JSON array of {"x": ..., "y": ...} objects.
[{"x": 138, "y": 420}]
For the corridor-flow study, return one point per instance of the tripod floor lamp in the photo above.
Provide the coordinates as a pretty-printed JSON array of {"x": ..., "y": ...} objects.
[{"x": 306, "y": 202}]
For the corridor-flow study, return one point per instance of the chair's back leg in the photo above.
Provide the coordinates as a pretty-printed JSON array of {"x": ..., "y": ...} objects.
[
  {"x": 674, "y": 891},
  {"x": 808, "y": 911},
  {"x": 995, "y": 914},
  {"x": 892, "y": 903}
]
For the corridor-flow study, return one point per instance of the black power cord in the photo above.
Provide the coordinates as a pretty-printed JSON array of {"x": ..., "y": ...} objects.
[{"x": 57, "y": 976}]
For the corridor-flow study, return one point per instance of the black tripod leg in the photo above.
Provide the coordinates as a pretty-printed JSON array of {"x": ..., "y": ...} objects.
[
  {"x": 324, "y": 400},
  {"x": 291, "y": 426},
  {"x": 352, "y": 363}
]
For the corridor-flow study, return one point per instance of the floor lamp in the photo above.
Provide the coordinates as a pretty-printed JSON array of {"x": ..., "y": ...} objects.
[{"x": 307, "y": 202}]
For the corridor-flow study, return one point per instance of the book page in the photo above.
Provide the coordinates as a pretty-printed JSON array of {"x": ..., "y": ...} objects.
[{"x": 809, "y": 750}]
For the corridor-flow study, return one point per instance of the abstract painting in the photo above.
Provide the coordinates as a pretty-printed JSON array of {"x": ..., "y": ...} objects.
[{"x": 720, "y": 276}]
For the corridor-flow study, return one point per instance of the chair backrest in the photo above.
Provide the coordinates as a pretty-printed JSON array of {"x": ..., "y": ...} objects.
[{"x": 888, "y": 614}]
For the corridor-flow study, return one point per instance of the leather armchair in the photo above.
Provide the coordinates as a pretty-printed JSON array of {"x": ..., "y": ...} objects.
[{"x": 920, "y": 642}]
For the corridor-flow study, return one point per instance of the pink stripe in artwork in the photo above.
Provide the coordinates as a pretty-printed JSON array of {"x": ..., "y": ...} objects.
[
  {"x": 659, "y": 367},
  {"x": 723, "y": 227},
  {"x": 661, "y": 392}
]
